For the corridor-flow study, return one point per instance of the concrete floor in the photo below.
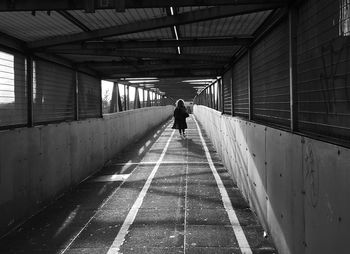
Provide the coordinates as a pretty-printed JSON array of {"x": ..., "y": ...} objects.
[{"x": 160, "y": 196}]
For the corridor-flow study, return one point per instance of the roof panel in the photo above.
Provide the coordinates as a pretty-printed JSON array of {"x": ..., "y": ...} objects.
[
  {"x": 163, "y": 33},
  {"x": 213, "y": 51},
  {"x": 89, "y": 58},
  {"x": 192, "y": 8},
  {"x": 159, "y": 50},
  {"x": 238, "y": 25},
  {"x": 107, "y": 18},
  {"x": 28, "y": 27}
]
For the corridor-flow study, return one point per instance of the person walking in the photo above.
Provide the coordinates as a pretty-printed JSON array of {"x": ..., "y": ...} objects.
[{"x": 180, "y": 115}]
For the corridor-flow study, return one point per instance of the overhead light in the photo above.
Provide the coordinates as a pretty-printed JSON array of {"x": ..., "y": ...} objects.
[
  {"x": 141, "y": 78},
  {"x": 175, "y": 30},
  {"x": 176, "y": 34},
  {"x": 142, "y": 81},
  {"x": 179, "y": 50},
  {"x": 199, "y": 80},
  {"x": 199, "y": 83}
]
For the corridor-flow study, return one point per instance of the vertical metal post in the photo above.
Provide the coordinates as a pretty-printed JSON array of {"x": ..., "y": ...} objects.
[
  {"x": 119, "y": 101},
  {"x": 136, "y": 99},
  {"x": 206, "y": 97},
  {"x": 222, "y": 96},
  {"x": 148, "y": 99},
  {"x": 156, "y": 97},
  {"x": 210, "y": 96},
  {"x": 232, "y": 95},
  {"x": 29, "y": 76},
  {"x": 293, "y": 69},
  {"x": 125, "y": 98},
  {"x": 144, "y": 98},
  {"x": 76, "y": 96},
  {"x": 250, "y": 94},
  {"x": 128, "y": 97},
  {"x": 100, "y": 92}
]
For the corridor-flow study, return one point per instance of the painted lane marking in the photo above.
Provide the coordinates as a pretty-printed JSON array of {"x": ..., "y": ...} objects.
[
  {"x": 88, "y": 222},
  {"x": 124, "y": 230},
  {"x": 92, "y": 217},
  {"x": 111, "y": 178},
  {"x": 237, "y": 229},
  {"x": 163, "y": 162},
  {"x": 186, "y": 200}
]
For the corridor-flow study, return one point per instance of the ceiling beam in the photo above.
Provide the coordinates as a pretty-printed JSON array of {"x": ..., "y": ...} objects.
[
  {"x": 165, "y": 74},
  {"x": 140, "y": 54},
  {"x": 205, "y": 42},
  {"x": 132, "y": 71},
  {"x": 96, "y": 64},
  {"x": 74, "y": 20},
  {"x": 45, "y": 5},
  {"x": 146, "y": 25}
]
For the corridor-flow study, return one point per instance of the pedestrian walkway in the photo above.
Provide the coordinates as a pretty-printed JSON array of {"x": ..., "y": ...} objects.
[{"x": 167, "y": 194}]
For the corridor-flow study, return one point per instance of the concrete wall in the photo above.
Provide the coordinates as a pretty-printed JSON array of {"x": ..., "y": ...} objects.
[
  {"x": 38, "y": 164},
  {"x": 299, "y": 187}
]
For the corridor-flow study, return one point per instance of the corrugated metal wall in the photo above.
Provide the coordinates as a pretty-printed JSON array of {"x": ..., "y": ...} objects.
[
  {"x": 13, "y": 102},
  {"x": 53, "y": 92},
  {"x": 324, "y": 68},
  {"x": 240, "y": 87},
  {"x": 270, "y": 77},
  {"x": 89, "y": 96},
  {"x": 227, "y": 85},
  {"x": 322, "y": 104}
]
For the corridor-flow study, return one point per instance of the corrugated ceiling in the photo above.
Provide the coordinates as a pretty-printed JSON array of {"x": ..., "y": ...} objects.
[
  {"x": 41, "y": 25},
  {"x": 156, "y": 34},
  {"x": 28, "y": 27},
  {"x": 239, "y": 25},
  {"x": 107, "y": 18},
  {"x": 213, "y": 51}
]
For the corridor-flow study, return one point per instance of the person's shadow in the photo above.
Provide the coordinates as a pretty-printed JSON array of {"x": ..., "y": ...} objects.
[{"x": 193, "y": 146}]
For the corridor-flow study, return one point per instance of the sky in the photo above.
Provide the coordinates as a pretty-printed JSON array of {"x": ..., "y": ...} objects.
[{"x": 7, "y": 76}]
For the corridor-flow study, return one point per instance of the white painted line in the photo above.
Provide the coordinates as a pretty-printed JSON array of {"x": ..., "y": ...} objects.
[
  {"x": 88, "y": 222},
  {"x": 111, "y": 178},
  {"x": 124, "y": 230},
  {"x": 186, "y": 193},
  {"x": 237, "y": 229},
  {"x": 163, "y": 162},
  {"x": 92, "y": 217}
]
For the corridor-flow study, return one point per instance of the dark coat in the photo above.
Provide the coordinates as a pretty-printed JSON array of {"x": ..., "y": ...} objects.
[{"x": 180, "y": 116}]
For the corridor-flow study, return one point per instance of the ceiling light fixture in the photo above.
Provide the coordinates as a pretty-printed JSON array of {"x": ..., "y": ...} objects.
[
  {"x": 142, "y": 81},
  {"x": 199, "y": 80},
  {"x": 145, "y": 78},
  {"x": 175, "y": 31}
]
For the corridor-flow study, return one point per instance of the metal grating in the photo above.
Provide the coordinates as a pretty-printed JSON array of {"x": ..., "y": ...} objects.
[
  {"x": 13, "y": 102},
  {"x": 237, "y": 25},
  {"x": 270, "y": 77},
  {"x": 53, "y": 92},
  {"x": 240, "y": 87},
  {"x": 29, "y": 27},
  {"x": 227, "y": 85},
  {"x": 323, "y": 68},
  {"x": 89, "y": 96}
]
